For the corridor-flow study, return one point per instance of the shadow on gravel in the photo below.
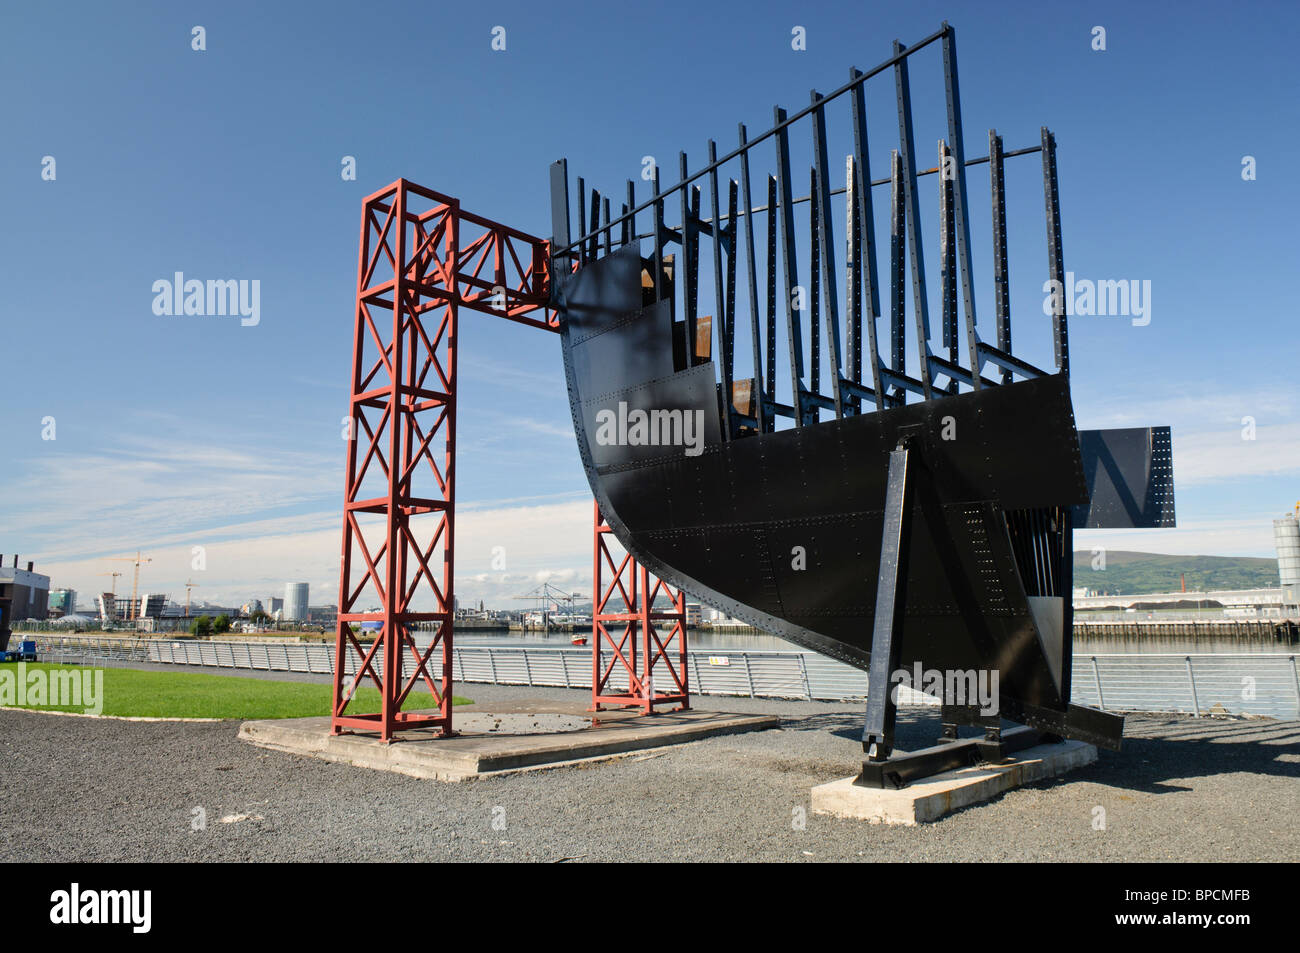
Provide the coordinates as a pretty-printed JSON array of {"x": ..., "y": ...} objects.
[
  {"x": 1188, "y": 749},
  {"x": 1159, "y": 753},
  {"x": 913, "y": 729}
]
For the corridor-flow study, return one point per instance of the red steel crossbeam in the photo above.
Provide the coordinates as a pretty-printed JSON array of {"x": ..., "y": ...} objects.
[
  {"x": 625, "y": 623},
  {"x": 421, "y": 258}
]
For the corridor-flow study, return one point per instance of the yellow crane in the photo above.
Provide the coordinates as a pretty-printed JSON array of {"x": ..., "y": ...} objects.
[
  {"x": 189, "y": 584},
  {"x": 135, "y": 581}
]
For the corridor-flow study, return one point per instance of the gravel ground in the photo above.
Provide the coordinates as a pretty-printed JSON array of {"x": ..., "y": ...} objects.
[{"x": 78, "y": 789}]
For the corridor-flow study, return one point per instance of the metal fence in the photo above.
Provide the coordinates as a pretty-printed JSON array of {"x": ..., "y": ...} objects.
[{"x": 1256, "y": 683}]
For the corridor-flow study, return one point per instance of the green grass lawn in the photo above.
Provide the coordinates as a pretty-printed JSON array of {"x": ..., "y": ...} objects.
[{"x": 147, "y": 694}]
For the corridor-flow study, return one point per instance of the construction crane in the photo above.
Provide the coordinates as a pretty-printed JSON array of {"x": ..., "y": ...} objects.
[
  {"x": 189, "y": 584},
  {"x": 113, "y": 585},
  {"x": 135, "y": 581},
  {"x": 547, "y": 593}
]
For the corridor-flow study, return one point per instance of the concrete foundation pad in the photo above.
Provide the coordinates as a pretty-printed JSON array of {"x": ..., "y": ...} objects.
[
  {"x": 930, "y": 799},
  {"x": 518, "y": 736}
]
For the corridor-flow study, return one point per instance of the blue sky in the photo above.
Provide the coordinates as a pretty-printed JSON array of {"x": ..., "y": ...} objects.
[{"x": 174, "y": 432}]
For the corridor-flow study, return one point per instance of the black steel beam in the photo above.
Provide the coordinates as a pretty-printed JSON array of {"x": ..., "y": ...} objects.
[
  {"x": 787, "y": 120},
  {"x": 826, "y": 241},
  {"x": 956, "y": 142},
  {"x": 1056, "y": 266},
  {"x": 947, "y": 270},
  {"x": 867, "y": 229},
  {"x": 1001, "y": 288},
  {"x": 751, "y": 273},
  {"x": 890, "y": 609},
  {"x": 721, "y": 308},
  {"x": 912, "y": 203},
  {"x": 902, "y": 769},
  {"x": 794, "y": 323},
  {"x": 853, "y": 286},
  {"x": 898, "y": 276}
]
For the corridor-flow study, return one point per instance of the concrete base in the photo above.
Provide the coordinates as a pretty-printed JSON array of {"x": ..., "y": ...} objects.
[
  {"x": 930, "y": 799},
  {"x": 518, "y": 736}
]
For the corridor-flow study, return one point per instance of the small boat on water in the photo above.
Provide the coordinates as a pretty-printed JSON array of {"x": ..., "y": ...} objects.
[{"x": 579, "y": 640}]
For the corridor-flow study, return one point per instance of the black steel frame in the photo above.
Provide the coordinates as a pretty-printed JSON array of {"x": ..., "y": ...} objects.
[
  {"x": 1041, "y": 538},
  {"x": 886, "y": 382}
]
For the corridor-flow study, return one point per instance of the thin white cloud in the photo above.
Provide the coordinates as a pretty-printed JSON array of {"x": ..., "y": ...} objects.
[
  {"x": 531, "y": 544},
  {"x": 1223, "y": 537}
]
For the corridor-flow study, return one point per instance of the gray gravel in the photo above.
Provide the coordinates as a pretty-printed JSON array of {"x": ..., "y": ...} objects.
[{"x": 75, "y": 789}]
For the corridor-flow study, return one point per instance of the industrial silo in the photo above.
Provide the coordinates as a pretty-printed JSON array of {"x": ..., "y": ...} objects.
[{"x": 1286, "y": 536}]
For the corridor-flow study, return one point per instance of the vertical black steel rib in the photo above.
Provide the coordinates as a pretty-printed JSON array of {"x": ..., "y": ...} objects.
[
  {"x": 719, "y": 293},
  {"x": 629, "y": 217},
  {"x": 821, "y": 197},
  {"x": 947, "y": 262},
  {"x": 1066, "y": 577},
  {"x": 1060, "y": 333},
  {"x": 582, "y": 218},
  {"x": 659, "y": 238},
  {"x": 897, "y": 272},
  {"x": 686, "y": 275},
  {"x": 907, "y": 155},
  {"x": 608, "y": 231},
  {"x": 593, "y": 241},
  {"x": 952, "y": 90},
  {"x": 560, "y": 214},
  {"x": 852, "y": 284},
  {"x": 771, "y": 288},
  {"x": 695, "y": 256},
  {"x": 814, "y": 301},
  {"x": 1001, "y": 296},
  {"x": 752, "y": 274},
  {"x": 732, "y": 233},
  {"x": 867, "y": 225},
  {"x": 794, "y": 325}
]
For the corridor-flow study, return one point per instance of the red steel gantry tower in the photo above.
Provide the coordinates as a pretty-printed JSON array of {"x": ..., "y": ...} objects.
[{"x": 422, "y": 258}]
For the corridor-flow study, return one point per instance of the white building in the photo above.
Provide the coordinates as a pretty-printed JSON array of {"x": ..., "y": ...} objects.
[{"x": 295, "y": 602}]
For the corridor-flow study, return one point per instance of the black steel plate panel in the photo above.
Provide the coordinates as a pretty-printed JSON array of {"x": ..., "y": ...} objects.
[{"x": 1130, "y": 473}]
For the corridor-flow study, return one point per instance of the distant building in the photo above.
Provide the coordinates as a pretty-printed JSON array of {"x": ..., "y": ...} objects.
[
  {"x": 295, "y": 602},
  {"x": 62, "y": 602},
  {"x": 273, "y": 605},
  {"x": 121, "y": 609},
  {"x": 24, "y": 594},
  {"x": 1286, "y": 536},
  {"x": 251, "y": 606},
  {"x": 694, "y": 614},
  {"x": 323, "y": 615}
]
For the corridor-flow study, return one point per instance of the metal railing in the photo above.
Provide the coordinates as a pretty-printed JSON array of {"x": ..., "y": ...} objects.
[{"x": 1201, "y": 684}]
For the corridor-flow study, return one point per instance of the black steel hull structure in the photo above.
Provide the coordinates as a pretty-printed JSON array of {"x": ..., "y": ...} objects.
[
  {"x": 783, "y": 530},
  {"x": 914, "y": 496}
]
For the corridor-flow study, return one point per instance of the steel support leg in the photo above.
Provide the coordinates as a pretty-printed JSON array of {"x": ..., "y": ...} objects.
[{"x": 891, "y": 600}]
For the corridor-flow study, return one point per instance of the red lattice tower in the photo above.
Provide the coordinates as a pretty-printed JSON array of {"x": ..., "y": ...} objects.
[
  {"x": 633, "y": 632},
  {"x": 421, "y": 258}
]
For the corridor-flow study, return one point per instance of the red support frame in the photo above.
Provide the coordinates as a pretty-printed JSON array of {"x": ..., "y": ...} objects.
[
  {"x": 624, "y": 602},
  {"x": 421, "y": 258}
]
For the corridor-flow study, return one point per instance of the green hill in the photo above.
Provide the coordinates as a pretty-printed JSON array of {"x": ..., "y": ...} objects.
[{"x": 1131, "y": 573}]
